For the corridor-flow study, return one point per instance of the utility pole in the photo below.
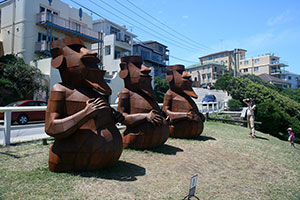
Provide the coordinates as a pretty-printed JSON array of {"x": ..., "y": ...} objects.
[{"x": 235, "y": 65}]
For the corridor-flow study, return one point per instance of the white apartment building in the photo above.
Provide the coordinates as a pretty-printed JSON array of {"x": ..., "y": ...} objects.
[
  {"x": 117, "y": 42},
  {"x": 28, "y": 26},
  {"x": 292, "y": 78}
]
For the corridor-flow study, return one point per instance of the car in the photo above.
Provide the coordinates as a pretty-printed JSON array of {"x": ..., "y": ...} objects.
[
  {"x": 23, "y": 117},
  {"x": 209, "y": 98}
]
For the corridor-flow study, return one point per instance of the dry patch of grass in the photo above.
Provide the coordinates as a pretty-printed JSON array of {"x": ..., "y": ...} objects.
[{"x": 228, "y": 163}]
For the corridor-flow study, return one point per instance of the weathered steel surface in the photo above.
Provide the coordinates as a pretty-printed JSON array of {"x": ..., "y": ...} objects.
[
  {"x": 78, "y": 115},
  {"x": 146, "y": 127},
  {"x": 185, "y": 119}
]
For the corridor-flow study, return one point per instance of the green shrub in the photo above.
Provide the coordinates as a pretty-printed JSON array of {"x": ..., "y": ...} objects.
[
  {"x": 234, "y": 104},
  {"x": 276, "y": 112}
]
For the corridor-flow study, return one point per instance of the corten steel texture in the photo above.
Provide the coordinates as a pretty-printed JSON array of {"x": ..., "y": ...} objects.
[
  {"x": 78, "y": 115},
  {"x": 185, "y": 119},
  {"x": 146, "y": 127}
]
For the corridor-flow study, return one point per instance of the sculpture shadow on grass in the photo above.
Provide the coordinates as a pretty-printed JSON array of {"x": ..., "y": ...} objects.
[
  {"x": 202, "y": 138},
  {"x": 166, "y": 149},
  {"x": 262, "y": 138},
  {"x": 122, "y": 171}
]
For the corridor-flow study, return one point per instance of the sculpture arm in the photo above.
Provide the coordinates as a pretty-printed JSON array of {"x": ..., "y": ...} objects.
[
  {"x": 174, "y": 116},
  {"x": 60, "y": 126},
  {"x": 124, "y": 108}
]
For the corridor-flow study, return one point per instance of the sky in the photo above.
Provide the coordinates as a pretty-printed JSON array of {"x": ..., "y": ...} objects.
[{"x": 195, "y": 28}]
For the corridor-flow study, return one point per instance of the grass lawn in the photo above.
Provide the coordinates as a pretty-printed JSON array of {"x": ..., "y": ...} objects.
[{"x": 228, "y": 163}]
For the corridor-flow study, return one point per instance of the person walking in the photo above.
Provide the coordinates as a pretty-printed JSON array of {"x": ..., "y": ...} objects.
[
  {"x": 250, "y": 115},
  {"x": 291, "y": 137}
]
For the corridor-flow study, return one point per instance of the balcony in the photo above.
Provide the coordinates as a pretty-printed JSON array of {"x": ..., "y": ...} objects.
[
  {"x": 68, "y": 27},
  {"x": 42, "y": 46}
]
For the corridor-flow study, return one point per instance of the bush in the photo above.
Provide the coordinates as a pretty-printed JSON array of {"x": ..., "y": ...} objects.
[
  {"x": 276, "y": 112},
  {"x": 161, "y": 86},
  {"x": 234, "y": 104}
]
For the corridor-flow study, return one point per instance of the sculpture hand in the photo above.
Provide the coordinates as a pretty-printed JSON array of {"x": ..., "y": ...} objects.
[
  {"x": 193, "y": 116},
  {"x": 117, "y": 116},
  {"x": 155, "y": 118},
  {"x": 94, "y": 105}
]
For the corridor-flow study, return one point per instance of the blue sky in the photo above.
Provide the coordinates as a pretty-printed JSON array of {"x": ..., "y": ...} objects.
[{"x": 260, "y": 27}]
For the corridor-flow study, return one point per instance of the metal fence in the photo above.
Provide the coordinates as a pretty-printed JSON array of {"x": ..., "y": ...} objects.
[{"x": 203, "y": 108}]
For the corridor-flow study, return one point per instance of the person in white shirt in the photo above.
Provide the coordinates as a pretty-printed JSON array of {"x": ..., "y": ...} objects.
[{"x": 250, "y": 115}]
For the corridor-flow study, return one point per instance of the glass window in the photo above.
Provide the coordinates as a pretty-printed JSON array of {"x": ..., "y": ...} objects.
[
  {"x": 246, "y": 62},
  {"x": 255, "y": 69},
  {"x": 107, "y": 50},
  {"x": 256, "y": 60},
  {"x": 127, "y": 39},
  {"x": 289, "y": 77},
  {"x": 246, "y": 70},
  {"x": 241, "y": 63},
  {"x": 30, "y": 104},
  {"x": 117, "y": 54}
]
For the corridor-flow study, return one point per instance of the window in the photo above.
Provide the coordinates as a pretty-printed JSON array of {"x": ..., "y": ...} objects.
[
  {"x": 127, "y": 39},
  {"x": 43, "y": 37},
  {"x": 42, "y": 9},
  {"x": 255, "y": 69},
  {"x": 117, "y": 54},
  {"x": 290, "y": 78},
  {"x": 246, "y": 62},
  {"x": 107, "y": 50},
  {"x": 246, "y": 70},
  {"x": 195, "y": 79},
  {"x": 222, "y": 62},
  {"x": 256, "y": 60},
  {"x": 160, "y": 49},
  {"x": 145, "y": 54},
  {"x": 241, "y": 63},
  {"x": 114, "y": 30}
]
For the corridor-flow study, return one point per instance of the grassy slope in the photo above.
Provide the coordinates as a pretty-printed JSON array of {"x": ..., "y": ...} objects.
[{"x": 228, "y": 163}]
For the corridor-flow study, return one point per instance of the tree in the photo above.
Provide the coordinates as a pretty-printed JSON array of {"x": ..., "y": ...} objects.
[
  {"x": 18, "y": 80},
  {"x": 161, "y": 86}
]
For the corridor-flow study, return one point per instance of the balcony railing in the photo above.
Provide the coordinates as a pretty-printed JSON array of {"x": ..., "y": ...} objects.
[
  {"x": 42, "y": 46},
  {"x": 43, "y": 18}
]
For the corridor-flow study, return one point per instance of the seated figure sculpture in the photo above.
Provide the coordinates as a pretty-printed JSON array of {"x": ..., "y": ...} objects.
[
  {"x": 146, "y": 127},
  {"x": 185, "y": 119},
  {"x": 78, "y": 115}
]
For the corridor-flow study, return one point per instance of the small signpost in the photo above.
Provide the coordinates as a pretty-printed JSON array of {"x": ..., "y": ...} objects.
[{"x": 192, "y": 189}]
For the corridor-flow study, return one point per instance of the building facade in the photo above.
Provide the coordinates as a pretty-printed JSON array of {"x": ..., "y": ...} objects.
[
  {"x": 29, "y": 26},
  {"x": 292, "y": 78},
  {"x": 264, "y": 64},
  {"x": 205, "y": 74},
  {"x": 117, "y": 42},
  {"x": 227, "y": 58},
  {"x": 154, "y": 54}
]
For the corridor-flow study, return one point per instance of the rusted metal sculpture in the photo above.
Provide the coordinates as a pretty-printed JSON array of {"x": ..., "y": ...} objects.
[
  {"x": 146, "y": 127},
  {"x": 185, "y": 119},
  {"x": 78, "y": 115}
]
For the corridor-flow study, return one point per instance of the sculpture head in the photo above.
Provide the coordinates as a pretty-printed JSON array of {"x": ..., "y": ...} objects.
[
  {"x": 77, "y": 65},
  {"x": 136, "y": 75},
  {"x": 179, "y": 80}
]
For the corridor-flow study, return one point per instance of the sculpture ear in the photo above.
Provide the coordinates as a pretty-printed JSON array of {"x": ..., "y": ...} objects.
[
  {"x": 169, "y": 77},
  {"x": 124, "y": 71},
  {"x": 57, "y": 57}
]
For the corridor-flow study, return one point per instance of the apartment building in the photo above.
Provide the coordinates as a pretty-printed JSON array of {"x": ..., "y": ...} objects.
[
  {"x": 117, "y": 42},
  {"x": 205, "y": 74},
  {"x": 226, "y": 58},
  {"x": 29, "y": 26},
  {"x": 263, "y": 64},
  {"x": 292, "y": 78},
  {"x": 154, "y": 54}
]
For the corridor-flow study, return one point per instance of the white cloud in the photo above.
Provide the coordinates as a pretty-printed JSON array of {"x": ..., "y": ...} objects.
[
  {"x": 280, "y": 19},
  {"x": 185, "y": 17}
]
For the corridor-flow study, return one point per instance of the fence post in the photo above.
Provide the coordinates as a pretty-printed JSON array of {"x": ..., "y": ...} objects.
[{"x": 7, "y": 125}]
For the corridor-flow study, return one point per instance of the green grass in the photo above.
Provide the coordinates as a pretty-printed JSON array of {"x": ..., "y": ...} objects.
[{"x": 228, "y": 163}]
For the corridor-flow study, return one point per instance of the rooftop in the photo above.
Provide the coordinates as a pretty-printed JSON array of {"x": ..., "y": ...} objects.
[
  {"x": 269, "y": 78},
  {"x": 221, "y": 52},
  {"x": 204, "y": 64}
]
